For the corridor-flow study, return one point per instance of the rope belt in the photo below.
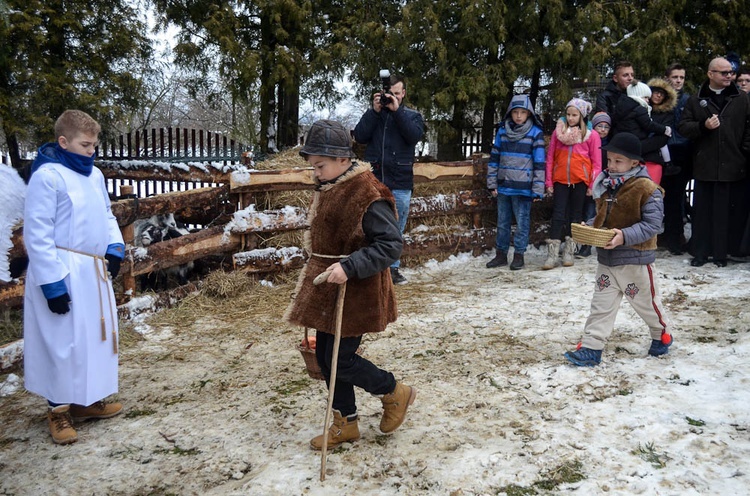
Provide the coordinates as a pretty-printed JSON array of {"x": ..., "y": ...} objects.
[{"x": 100, "y": 264}]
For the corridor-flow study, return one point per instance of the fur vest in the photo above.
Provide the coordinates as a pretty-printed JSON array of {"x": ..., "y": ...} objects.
[
  {"x": 625, "y": 208},
  {"x": 335, "y": 232}
]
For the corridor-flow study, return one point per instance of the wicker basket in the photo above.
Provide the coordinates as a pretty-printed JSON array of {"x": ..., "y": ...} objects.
[
  {"x": 311, "y": 362},
  {"x": 587, "y": 235}
]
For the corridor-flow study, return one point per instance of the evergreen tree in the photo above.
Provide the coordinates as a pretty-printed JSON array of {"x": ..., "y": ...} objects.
[{"x": 58, "y": 55}]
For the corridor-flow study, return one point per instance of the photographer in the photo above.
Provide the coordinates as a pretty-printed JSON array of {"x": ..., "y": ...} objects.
[{"x": 391, "y": 130}]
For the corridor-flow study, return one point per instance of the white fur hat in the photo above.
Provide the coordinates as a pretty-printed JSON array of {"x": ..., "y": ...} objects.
[{"x": 639, "y": 89}]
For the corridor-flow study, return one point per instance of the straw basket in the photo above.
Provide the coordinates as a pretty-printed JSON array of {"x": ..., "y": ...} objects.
[
  {"x": 587, "y": 235},
  {"x": 311, "y": 362}
]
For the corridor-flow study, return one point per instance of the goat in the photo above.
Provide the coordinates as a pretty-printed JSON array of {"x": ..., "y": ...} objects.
[{"x": 156, "y": 229}]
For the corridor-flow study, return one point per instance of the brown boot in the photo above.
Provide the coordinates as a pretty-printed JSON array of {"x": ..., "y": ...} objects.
[
  {"x": 342, "y": 430},
  {"x": 98, "y": 410},
  {"x": 61, "y": 425},
  {"x": 394, "y": 407}
]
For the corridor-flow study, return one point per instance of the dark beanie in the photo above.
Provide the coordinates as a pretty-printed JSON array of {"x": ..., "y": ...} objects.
[{"x": 328, "y": 139}]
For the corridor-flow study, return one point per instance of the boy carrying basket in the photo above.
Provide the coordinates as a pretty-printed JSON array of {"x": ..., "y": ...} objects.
[{"x": 631, "y": 204}]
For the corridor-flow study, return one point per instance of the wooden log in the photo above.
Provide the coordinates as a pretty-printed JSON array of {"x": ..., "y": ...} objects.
[
  {"x": 286, "y": 219},
  {"x": 270, "y": 259},
  {"x": 148, "y": 170},
  {"x": 178, "y": 251},
  {"x": 287, "y": 179},
  {"x": 443, "y": 171},
  {"x": 474, "y": 240},
  {"x": 464, "y": 202},
  {"x": 11, "y": 294},
  {"x": 195, "y": 206}
]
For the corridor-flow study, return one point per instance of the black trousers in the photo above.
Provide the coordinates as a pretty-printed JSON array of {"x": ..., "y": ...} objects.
[
  {"x": 353, "y": 370},
  {"x": 567, "y": 207},
  {"x": 674, "y": 205},
  {"x": 719, "y": 215}
]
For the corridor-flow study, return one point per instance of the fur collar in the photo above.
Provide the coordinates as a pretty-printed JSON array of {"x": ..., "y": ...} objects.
[
  {"x": 670, "y": 102},
  {"x": 355, "y": 170}
]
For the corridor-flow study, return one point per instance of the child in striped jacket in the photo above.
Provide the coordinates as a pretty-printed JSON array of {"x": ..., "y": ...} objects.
[{"x": 515, "y": 176}]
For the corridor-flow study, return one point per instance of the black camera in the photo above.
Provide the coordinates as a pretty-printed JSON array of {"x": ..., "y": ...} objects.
[{"x": 385, "y": 96}]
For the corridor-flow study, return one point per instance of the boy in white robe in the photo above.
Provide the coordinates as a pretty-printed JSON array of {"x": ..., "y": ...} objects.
[{"x": 74, "y": 246}]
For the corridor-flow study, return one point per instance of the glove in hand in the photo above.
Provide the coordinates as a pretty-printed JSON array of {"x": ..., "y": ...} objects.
[
  {"x": 59, "y": 304},
  {"x": 113, "y": 265}
]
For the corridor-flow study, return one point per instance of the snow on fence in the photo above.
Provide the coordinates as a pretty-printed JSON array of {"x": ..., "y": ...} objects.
[{"x": 235, "y": 227}]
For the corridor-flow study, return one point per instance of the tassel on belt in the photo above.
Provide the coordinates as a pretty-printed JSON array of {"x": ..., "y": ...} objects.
[{"x": 100, "y": 265}]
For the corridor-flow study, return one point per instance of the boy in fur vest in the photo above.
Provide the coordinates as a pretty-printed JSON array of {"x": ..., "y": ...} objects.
[
  {"x": 355, "y": 235},
  {"x": 631, "y": 204}
]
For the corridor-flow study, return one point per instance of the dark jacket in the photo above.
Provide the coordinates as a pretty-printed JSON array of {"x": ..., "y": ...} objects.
[
  {"x": 607, "y": 100},
  {"x": 719, "y": 155},
  {"x": 390, "y": 138},
  {"x": 632, "y": 117},
  {"x": 661, "y": 114}
]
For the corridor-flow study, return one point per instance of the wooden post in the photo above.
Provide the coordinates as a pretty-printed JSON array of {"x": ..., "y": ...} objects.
[{"x": 128, "y": 235}]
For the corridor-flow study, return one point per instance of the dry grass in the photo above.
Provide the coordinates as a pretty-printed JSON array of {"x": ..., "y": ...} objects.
[{"x": 11, "y": 325}]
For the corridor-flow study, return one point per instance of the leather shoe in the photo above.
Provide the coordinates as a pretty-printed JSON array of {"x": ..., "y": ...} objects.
[{"x": 698, "y": 262}]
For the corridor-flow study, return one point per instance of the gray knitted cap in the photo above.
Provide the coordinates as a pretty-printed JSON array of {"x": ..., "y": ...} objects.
[{"x": 328, "y": 139}]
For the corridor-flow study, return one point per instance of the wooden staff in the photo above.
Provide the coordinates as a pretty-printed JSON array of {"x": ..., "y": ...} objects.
[{"x": 334, "y": 366}]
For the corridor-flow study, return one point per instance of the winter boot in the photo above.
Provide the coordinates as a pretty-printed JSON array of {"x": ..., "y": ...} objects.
[
  {"x": 397, "y": 277},
  {"x": 584, "y": 357},
  {"x": 517, "y": 263},
  {"x": 395, "y": 405},
  {"x": 98, "y": 410},
  {"x": 569, "y": 252},
  {"x": 61, "y": 425},
  {"x": 553, "y": 248},
  {"x": 501, "y": 258},
  {"x": 342, "y": 430},
  {"x": 661, "y": 346},
  {"x": 584, "y": 251}
]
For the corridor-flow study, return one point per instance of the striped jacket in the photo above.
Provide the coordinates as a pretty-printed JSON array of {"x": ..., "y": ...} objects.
[{"x": 517, "y": 168}]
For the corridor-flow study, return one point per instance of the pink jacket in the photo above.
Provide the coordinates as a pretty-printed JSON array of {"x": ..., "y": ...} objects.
[{"x": 572, "y": 164}]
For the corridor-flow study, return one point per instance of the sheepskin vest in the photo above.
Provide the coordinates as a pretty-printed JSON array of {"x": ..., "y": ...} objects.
[
  {"x": 626, "y": 207},
  {"x": 335, "y": 232}
]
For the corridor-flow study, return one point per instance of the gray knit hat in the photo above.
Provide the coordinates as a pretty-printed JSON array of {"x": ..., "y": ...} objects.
[{"x": 328, "y": 139}]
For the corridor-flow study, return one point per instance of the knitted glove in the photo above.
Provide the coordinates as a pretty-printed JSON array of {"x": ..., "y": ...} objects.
[
  {"x": 113, "y": 264},
  {"x": 59, "y": 304}
]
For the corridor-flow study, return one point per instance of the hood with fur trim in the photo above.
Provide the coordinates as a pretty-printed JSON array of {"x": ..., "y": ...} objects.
[{"x": 670, "y": 102}]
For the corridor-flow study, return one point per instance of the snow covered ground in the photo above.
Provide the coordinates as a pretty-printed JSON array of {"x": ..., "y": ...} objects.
[{"x": 498, "y": 411}]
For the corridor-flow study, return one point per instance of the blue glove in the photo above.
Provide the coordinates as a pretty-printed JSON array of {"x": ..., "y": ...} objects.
[{"x": 59, "y": 304}]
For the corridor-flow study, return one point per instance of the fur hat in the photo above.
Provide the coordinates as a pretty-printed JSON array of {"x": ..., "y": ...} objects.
[
  {"x": 625, "y": 144},
  {"x": 639, "y": 89},
  {"x": 583, "y": 106},
  {"x": 600, "y": 117},
  {"x": 328, "y": 139}
]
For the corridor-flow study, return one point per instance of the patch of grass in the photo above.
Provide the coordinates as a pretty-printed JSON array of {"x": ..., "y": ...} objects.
[
  {"x": 135, "y": 413},
  {"x": 648, "y": 453},
  {"x": 11, "y": 325},
  {"x": 176, "y": 450},
  {"x": 697, "y": 423},
  {"x": 705, "y": 339},
  {"x": 293, "y": 387},
  {"x": 568, "y": 473}
]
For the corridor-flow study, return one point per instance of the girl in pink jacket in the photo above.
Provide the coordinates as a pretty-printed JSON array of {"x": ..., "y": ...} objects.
[{"x": 574, "y": 159}]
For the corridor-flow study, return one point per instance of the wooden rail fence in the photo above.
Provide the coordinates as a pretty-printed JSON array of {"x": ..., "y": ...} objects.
[{"x": 233, "y": 198}]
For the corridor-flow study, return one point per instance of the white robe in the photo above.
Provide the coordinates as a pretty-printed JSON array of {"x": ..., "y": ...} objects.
[{"x": 65, "y": 358}]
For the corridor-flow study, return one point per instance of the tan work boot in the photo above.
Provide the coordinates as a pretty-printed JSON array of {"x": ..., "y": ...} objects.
[
  {"x": 394, "y": 407},
  {"x": 61, "y": 425},
  {"x": 98, "y": 410},
  {"x": 342, "y": 430}
]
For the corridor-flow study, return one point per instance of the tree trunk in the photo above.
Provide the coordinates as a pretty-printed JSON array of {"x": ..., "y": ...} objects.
[
  {"x": 288, "y": 112},
  {"x": 488, "y": 125},
  {"x": 267, "y": 139}
]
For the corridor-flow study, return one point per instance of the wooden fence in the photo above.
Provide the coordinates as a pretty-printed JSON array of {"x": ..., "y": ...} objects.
[{"x": 221, "y": 205}]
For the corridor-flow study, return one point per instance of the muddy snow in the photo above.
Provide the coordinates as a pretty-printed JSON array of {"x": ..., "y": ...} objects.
[{"x": 498, "y": 410}]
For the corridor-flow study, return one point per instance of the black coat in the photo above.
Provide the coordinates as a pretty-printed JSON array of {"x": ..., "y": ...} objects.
[
  {"x": 632, "y": 117},
  {"x": 720, "y": 154}
]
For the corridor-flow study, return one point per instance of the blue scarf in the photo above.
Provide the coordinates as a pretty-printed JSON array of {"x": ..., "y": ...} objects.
[{"x": 54, "y": 153}]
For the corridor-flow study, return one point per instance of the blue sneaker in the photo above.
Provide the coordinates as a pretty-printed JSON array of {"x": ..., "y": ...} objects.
[
  {"x": 658, "y": 348},
  {"x": 584, "y": 357}
]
